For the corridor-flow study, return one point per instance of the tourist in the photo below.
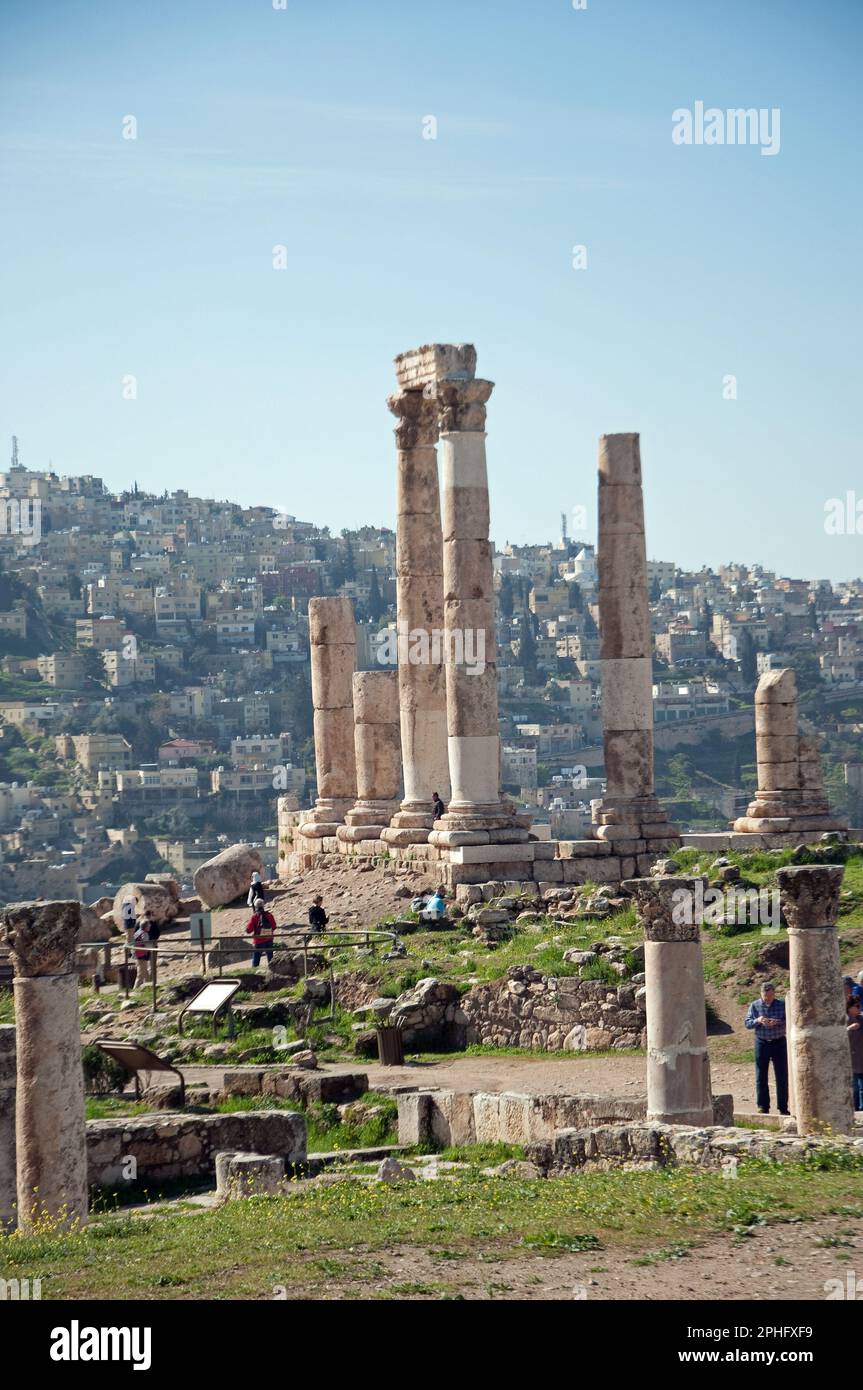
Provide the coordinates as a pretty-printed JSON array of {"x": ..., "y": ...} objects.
[
  {"x": 852, "y": 989},
  {"x": 437, "y": 805},
  {"x": 141, "y": 939},
  {"x": 256, "y": 890},
  {"x": 855, "y": 1039},
  {"x": 767, "y": 1016},
  {"x": 128, "y": 914},
  {"x": 435, "y": 908},
  {"x": 317, "y": 917},
  {"x": 261, "y": 927}
]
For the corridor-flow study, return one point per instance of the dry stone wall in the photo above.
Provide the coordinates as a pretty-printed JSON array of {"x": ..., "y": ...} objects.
[{"x": 528, "y": 1009}]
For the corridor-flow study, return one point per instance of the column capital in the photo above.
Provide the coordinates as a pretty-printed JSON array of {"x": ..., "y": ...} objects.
[
  {"x": 417, "y": 413},
  {"x": 668, "y": 907},
  {"x": 42, "y": 937},
  {"x": 461, "y": 404},
  {"x": 810, "y": 894}
]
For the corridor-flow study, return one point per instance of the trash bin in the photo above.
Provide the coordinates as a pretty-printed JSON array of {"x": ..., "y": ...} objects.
[{"x": 391, "y": 1048}]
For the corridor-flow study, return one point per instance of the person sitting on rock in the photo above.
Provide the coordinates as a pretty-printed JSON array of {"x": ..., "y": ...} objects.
[
  {"x": 256, "y": 890},
  {"x": 317, "y": 917},
  {"x": 437, "y": 805},
  {"x": 435, "y": 908},
  {"x": 261, "y": 926}
]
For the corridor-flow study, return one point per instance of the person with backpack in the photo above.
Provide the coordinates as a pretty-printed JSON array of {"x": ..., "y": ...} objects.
[{"x": 262, "y": 928}]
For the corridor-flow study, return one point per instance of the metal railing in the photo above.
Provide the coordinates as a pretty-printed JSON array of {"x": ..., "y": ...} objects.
[{"x": 327, "y": 941}]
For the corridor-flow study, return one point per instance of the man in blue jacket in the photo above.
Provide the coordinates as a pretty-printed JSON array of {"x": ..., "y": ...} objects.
[{"x": 767, "y": 1016}]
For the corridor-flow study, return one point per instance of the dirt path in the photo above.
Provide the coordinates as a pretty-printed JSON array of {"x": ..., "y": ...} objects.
[
  {"x": 779, "y": 1262},
  {"x": 564, "y": 1075}
]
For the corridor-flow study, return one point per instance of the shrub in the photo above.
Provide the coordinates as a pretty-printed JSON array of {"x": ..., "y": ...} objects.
[{"x": 102, "y": 1074}]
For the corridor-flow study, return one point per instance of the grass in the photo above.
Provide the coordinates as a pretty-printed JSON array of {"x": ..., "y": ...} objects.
[{"x": 247, "y": 1249}]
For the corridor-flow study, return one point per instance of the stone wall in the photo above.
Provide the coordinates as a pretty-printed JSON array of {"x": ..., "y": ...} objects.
[
  {"x": 668, "y": 1146},
  {"x": 528, "y": 1009},
  {"x": 184, "y": 1146},
  {"x": 452, "y": 1117}
]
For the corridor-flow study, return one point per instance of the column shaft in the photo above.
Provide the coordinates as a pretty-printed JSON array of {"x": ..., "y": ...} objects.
[
  {"x": 378, "y": 755},
  {"x": 51, "y": 1136},
  {"x": 419, "y": 610},
  {"x": 332, "y": 638},
  {"x": 819, "y": 1053}
]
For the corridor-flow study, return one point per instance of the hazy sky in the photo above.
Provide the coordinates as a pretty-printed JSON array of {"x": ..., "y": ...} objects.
[{"x": 303, "y": 127}]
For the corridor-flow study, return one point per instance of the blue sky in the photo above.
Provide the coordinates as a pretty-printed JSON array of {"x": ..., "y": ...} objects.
[{"x": 304, "y": 127}]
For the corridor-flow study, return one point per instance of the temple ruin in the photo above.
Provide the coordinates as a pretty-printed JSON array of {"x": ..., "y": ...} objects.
[{"x": 447, "y": 700}]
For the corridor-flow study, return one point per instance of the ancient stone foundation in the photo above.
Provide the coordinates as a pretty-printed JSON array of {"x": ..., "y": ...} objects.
[
  {"x": 818, "y": 1052},
  {"x": 160, "y": 1147},
  {"x": 50, "y": 1135}
]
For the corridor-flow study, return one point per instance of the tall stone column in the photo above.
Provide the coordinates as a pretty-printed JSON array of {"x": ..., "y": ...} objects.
[
  {"x": 476, "y": 807},
  {"x": 629, "y": 811},
  {"x": 419, "y": 610},
  {"x": 332, "y": 638},
  {"x": 378, "y": 755},
  {"x": 8, "y": 1187},
  {"x": 50, "y": 1129},
  {"x": 678, "y": 1063},
  {"x": 791, "y": 795},
  {"x": 819, "y": 1056}
]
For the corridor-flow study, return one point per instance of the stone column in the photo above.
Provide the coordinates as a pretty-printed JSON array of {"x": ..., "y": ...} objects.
[
  {"x": 630, "y": 811},
  {"x": 476, "y": 808},
  {"x": 678, "y": 1063},
  {"x": 819, "y": 1055},
  {"x": 790, "y": 795},
  {"x": 332, "y": 637},
  {"x": 419, "y": 610},
  {"x": 50, "y": 1130},
  {"x": 8, "y": 1190},
  {"x": 378, "y": 755}
]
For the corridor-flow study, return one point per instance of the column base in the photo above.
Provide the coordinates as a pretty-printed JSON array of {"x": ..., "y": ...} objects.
[
  {"x": 401, "y": 839},
  {"x": 370, "y": 813}
]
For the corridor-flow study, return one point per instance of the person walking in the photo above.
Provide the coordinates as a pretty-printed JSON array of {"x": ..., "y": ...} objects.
[
  {"x": 855, "y": 1040},
  {"x": 141, "y": 939},
  {"x": 767, "y": 1017},
  {"x": 262, "y": 928}
]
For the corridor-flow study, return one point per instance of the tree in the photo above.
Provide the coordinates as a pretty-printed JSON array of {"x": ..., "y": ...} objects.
[
  {"x": 376, "y": 605},
  {"x": 576, "y": 598},
  {"x": 527, "y": 649},
  {"x": 747, "y": 657},
  {"x": 506, "y": 600}
]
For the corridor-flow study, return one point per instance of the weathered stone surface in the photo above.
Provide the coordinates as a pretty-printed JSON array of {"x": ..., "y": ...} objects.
[
  {"x": 155, "y": 899},
  {"x": 41, "y": 936},
  {"x": 528, "y": 1010},
  {"x": 50, "y": 1136},
  {"x": 184, "y": 1146},
  {"x": 249, "y": 1174},
  {"x": 8, "y": 1190},
  {"x": 819, "y": 1057},
  {"x": 227, "y": 876}
]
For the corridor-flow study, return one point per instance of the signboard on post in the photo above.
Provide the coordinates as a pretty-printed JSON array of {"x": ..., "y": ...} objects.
[{"x": 200, "y": 927}]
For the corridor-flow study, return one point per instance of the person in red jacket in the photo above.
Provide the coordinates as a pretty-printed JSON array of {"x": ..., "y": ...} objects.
[{"x": 261, "y": 926}]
